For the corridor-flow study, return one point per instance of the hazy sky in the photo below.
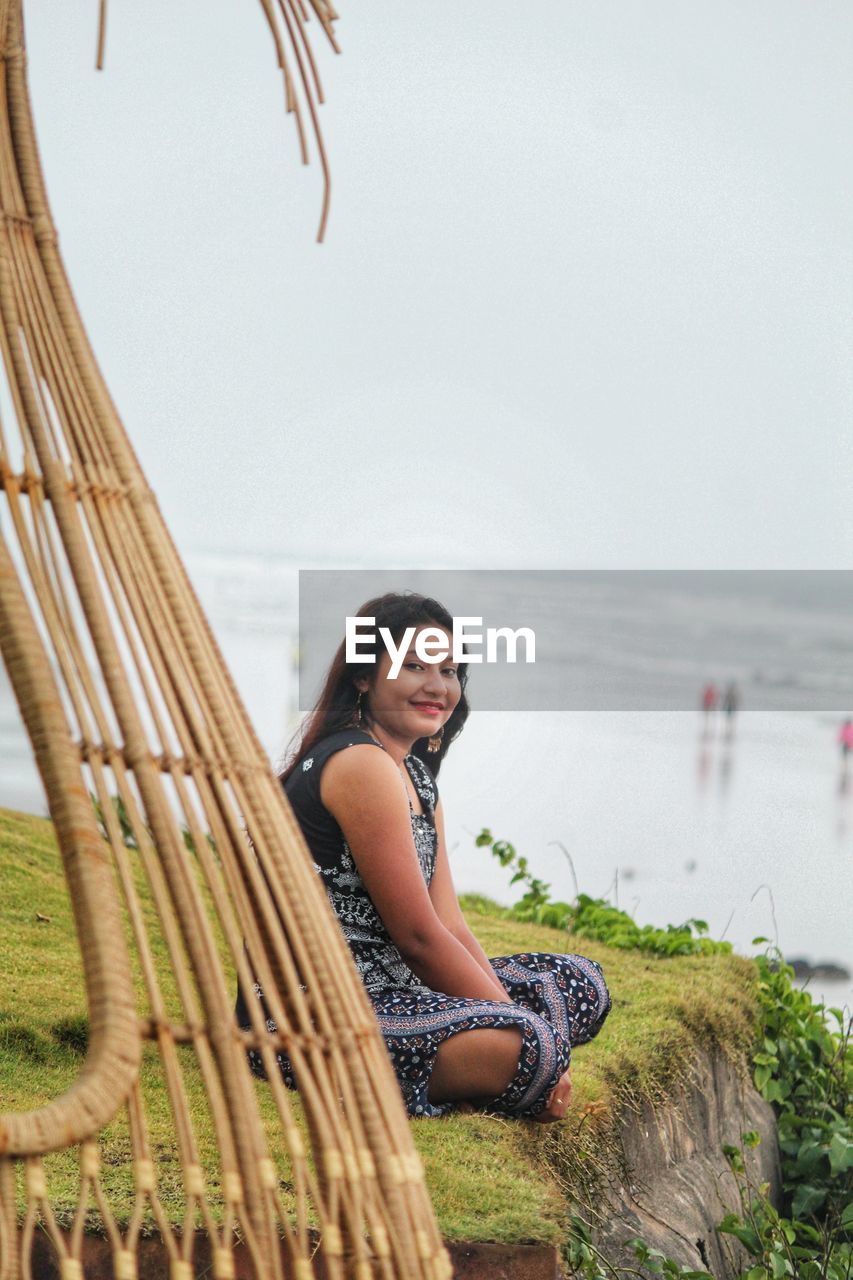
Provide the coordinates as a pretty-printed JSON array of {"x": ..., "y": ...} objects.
[{"x": 585, "y": 298}]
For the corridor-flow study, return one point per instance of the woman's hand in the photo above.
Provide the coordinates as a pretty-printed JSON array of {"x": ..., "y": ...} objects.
[{"x": 558, "y": 1100}]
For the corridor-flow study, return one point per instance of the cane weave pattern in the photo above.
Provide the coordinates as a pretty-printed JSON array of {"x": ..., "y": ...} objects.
[{"x": 124, "y": 693}]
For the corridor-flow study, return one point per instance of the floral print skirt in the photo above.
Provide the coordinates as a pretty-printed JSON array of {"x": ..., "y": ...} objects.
[{"x": 558, "y": 1001}]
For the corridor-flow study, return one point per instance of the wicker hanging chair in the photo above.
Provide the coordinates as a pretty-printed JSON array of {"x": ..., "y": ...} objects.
[{"x": 124, "y": 693}]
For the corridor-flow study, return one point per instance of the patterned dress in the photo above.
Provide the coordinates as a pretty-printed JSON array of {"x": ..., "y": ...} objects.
[{"x": 558, "y": 1000}]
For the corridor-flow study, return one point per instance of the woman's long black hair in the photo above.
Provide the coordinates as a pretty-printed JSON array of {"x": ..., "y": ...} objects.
[{"x": 336, "y": 707}]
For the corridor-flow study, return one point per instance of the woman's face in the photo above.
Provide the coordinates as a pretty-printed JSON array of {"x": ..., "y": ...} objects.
[{"x": 420, "y": 699}]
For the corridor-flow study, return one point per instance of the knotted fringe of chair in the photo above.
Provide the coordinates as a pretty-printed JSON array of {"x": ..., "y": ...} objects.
[{"x": 123, "y": 691}]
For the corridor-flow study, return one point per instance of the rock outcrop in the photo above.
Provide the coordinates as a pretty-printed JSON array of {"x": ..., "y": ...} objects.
[{"x": 676, "y": 1183}]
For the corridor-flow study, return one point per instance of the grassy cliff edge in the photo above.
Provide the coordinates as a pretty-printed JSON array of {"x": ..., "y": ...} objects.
[{"x": 491, "y": 1179}]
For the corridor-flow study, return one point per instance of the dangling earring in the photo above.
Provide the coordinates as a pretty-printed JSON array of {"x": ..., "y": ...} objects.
[
  {"x": 359, "y": 714},
  {"x": 434, "y": 743}
]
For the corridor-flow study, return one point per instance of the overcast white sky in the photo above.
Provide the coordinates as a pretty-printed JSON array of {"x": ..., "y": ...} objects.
[{"x": 585, "y": 298}]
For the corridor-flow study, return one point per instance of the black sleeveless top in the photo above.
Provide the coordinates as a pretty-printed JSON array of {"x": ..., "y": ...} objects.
[{"x": 376, "y": 956}]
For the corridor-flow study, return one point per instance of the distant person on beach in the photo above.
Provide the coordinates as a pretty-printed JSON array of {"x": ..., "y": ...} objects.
[
  {"x": 730, "y": 704},
  {"x": 463, "y": 1031},
  {"x": 709, "y": 701},
  {"x": 845, "y": 740}
]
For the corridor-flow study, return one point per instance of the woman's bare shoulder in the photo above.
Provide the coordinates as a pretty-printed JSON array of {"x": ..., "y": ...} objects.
[{"x": 361, "y": 764}]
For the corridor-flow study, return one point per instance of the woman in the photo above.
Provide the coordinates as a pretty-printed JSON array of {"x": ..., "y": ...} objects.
[{"x": 462, "y": 1030}]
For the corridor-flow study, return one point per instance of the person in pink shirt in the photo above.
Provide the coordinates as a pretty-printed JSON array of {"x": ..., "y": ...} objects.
[{"x": 845, "y": 739}]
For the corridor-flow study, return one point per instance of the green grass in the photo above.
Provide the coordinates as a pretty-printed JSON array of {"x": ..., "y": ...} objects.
[{"x": 490, "y": 1178}]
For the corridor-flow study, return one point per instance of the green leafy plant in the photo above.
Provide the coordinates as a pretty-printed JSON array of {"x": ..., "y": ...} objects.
[
  {"x": 803, "y": 1066},
  {"x": 595, "y": 918},
  {"x": 126, "y": 827},
  {"x": 781, "y": 1245},
  {"x": 585, "y": 1260}
]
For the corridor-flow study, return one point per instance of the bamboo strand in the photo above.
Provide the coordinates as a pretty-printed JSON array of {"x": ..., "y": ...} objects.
[
  {"x": 312, "y": 109},
  {"x": 114, "y": 1051},
  {"x": 102, "y": 35},
  {"x": 9, "y": 1256},
  {"x": 299, "y": 15},
  {"x": 291, "y": 102}
]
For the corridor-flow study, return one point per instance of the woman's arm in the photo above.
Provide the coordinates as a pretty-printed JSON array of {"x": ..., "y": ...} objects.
[
  {"x": 363, "y": 790},
  {"x": 446, "y": 903}
]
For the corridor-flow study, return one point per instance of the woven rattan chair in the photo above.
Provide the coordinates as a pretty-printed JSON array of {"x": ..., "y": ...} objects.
[{"x": 124, "y": 693}]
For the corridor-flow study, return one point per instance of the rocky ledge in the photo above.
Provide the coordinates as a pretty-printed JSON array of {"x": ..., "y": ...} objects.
[{"x": 675, "y": 1184}]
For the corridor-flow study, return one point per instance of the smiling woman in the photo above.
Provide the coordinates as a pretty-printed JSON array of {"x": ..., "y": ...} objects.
[{"x": 463, "y": 1030}]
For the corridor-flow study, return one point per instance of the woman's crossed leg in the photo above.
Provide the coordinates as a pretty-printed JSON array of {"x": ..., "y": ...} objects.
[{"x": 502, "y": 1058}]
